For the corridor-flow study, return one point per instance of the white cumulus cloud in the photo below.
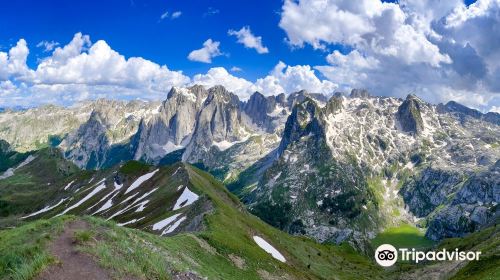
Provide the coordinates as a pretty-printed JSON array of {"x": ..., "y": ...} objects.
[
  {"x": 369, "y": 25},
  {"x": 82, "y": 70},
  {"x": 249, "y": 40},
  {"x": 440, "y": 50},
  {"x": 210, "y": 50},
  {"x": 220, "y": 76},
  {"x": 287, "y": 79}
]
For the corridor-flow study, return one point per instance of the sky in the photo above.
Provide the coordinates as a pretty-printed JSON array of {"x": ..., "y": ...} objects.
[{"x": 64, "y": 52}]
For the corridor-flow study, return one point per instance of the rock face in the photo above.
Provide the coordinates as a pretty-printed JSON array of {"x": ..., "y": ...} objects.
[
  {"x": 305, "y": 120},
  {"x": 474, "y": 205},
  {"x": 88, "y": 146},
  {"x": 219, "y": 123},
  {"x": 307, "y": 191},
  {"x": 429, "y": 189},
  {"x": 266, "y": 112},
  {"x": 102, "y": 140},
  {"x": 28, "y": 130},
  {"x": 359, "y": 93},
  {"x": 409, "y": 116},
  {"x": 171, "y": 128}
]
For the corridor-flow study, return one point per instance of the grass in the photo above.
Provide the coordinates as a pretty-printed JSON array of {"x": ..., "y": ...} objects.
[
  {"x": 83, "y": 236},
  {"x": 403, "y": 236},
  {"x": 33, "y": 185},
  {"x": 227, "y": 235},
  {"x": 487, "y": 241},
  {"x": 134, "y": 167},
  {"x": 23, "y": 252}
]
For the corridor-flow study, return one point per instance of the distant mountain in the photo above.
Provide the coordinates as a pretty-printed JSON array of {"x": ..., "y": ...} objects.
[{"x": 337, "y": 169}]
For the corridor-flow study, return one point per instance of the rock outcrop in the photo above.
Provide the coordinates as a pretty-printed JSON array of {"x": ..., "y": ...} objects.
[{"x": 409, "y": 115}]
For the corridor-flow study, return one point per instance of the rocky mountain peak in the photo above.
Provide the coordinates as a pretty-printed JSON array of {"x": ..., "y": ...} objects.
[
  {"x": 359, "y": 93},
  {"x": 300, "y": 96},
  {"x": 305, "y": 120},
  {"x": 281, "y": 98},
  {"x": 464, "y": 112},
  {"x": 334, "y": 105},
  {"x": 409, "y": 115},
  {"x": 220, "y": 94}
]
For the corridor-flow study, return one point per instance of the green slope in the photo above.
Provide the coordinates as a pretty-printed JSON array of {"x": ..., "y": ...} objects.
[
  {"x": 215, "y": 240},
  {"x": 221, "y": 246},
  {"x": 33, "y": 184}
]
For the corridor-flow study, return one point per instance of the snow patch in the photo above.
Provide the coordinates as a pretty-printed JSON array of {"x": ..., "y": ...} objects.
[
  {"x": 170, "y": 147},
  {"x": 409, "y": 165},
  {"x": 187, "y": 198},
  {"x": 117, "y": 186},
  {"x": 141, "y": 180},
  {"x": 10, "y": 171},
  {"x": 91, "y": 194},
  {"x": 142, "y": 206},
  {"x": 174, "y": 226},
  {"x": 131, "y": 205},
  {"x": 224, "y": 145},
  {"x": 165, "y": 222},
  {"x": 269, "y": 248},
  {"x": 106, "y": 205},
  {"x": 129, "y": 222},
  {"x": 45, "y": 209},
  {"x": 69, "y": 185}
]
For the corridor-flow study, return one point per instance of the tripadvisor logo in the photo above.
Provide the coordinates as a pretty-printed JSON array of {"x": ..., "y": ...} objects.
[{"x": 386, "y": 255}]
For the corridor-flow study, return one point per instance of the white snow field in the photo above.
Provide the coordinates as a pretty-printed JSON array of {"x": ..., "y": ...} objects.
[
  {"x": 269, "y": 248},
  {"x": 141, "y": 180},
  {"x": 45, "y": 209},
  {"x": 187, "y": 198}
]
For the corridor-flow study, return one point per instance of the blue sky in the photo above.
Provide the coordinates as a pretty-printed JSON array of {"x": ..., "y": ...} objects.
[
  {"x": 64, "y": 52},
  {"x": 133, "y": 28}
]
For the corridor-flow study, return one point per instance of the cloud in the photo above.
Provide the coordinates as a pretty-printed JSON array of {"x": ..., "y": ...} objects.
[
  {"x": 282, "y": 79},
  {"x": 82, "y": 70},
  {"x": 440, "y": 50},
  {"x": 101, "y": 65},
  {"x": 369, "y": 25},
  {"x": 47, "y": 45},
  {"x": 495, "y": 109},
  {"x": 176, "y": 14},
  {"x": 166, "y": 14},
  {"x": 236, "y": 69},
  {"x": 210, "y": 50},
  {"x": 288, "y": 79},
  {"x": 220, "y": 76},
  {"x": 249, "y": 40},
  {"x": 13, "y": 63}
]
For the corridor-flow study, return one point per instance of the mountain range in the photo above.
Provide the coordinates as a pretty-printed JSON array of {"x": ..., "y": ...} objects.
[{"x": 340, "y": 169}]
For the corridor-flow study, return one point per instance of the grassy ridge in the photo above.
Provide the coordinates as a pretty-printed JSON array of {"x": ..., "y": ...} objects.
[{"x": 23, "y": 250}]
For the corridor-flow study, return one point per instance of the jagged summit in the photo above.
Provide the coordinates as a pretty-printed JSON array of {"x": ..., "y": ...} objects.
[
  {"x": 305, "y": 120},
  {"x": 409, "y": 115}
]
